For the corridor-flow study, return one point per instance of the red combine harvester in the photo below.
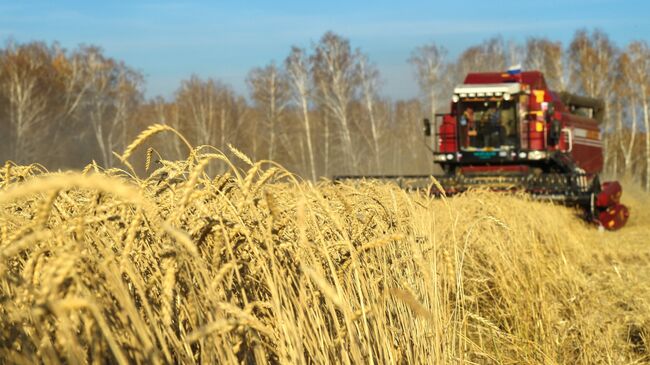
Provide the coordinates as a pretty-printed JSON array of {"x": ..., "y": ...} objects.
[{"x": 508, "y": 131}]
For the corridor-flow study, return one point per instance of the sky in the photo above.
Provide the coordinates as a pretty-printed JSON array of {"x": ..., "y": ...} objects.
[{"x": 168, "y": 41}]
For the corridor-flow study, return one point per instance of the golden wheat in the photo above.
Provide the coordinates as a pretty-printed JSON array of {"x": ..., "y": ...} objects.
[{"x": 254, "y": 266}]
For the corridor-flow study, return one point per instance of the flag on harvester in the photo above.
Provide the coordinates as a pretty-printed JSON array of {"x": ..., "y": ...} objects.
[{"x": 514, "y": 70}]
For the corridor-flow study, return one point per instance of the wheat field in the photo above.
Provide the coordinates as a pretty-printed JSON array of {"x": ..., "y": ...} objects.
[{"x": 258, "y": 266}]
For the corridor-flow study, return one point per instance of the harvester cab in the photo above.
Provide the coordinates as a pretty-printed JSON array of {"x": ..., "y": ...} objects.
[{"x": 509, "y": 132}]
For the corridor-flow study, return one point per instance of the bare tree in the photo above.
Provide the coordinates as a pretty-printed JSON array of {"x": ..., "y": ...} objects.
[
  {"x": 111, "y": 97},
  {"x": 336, "y": 79},
  {"x": 429, "y": 62},
  {"x": 211, "y": 113},
  {"x": 26, "y": 82},
  {"x": 75, "y": 83},
  {"x": 40, "y": 91},
  {"x": 167, "y": 113},
  {"x": 369, "y": 78},
  {"x": 639, "y": 55},
  {"x": 490, "y": 55},
  {"x": 547, "y": 57},
  {"x": 298, "y": 72},
  {"x": 270, "y": 92},
  {"x": 592, "y": 64},
  {"x": 592, "y": 59},
  {"x": 515, "y": 53},
  {"x": 47, "y": 93},
  {"x": 199, "y": 102},
  {"x": 410, "y": 151},
  {"x": 626, "y": 98}
]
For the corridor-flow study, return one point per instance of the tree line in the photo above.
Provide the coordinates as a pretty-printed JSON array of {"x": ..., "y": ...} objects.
[{"x": 321, "y": 111}]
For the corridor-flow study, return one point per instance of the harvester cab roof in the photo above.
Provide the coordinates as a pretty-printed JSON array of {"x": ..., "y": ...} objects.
[{"x": 499, "y": 90}]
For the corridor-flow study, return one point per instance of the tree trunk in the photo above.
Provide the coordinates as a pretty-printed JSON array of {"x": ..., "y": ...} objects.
[
  {"x": 646, "y": 123},
  {"x": 327, "y": 143},
  {"x": 347, "y": 141},
  {"x": 630, "y": 146},
  {"x": 373, "y": 129},
  {"x": 305, "y": 116},
  {"x": 272, "y": 116}
]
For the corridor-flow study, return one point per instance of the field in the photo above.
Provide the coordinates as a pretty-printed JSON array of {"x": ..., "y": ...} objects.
[{"x": 257, "y": 266}]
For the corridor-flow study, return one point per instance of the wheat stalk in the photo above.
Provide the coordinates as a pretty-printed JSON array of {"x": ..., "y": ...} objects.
[
  {"x": 168, "y": 267},
  {"x": 148, "y": 133},
  {"x": 240, "y": 155}
]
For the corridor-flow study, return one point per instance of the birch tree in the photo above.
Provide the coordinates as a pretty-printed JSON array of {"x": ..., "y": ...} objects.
[
  {"x": 369, "y": 79},
  {"x": 298, "y": 72},
  {"x": 429, "y": 61},
  {"x": 336, "y": 80},
  {"x": 167, "y": 113},
  {"x": 592, "y": 59},
  {"x": 592, "y": 68},
  {"x": 112, "y": 96},
  {"x": 409, "y": 147},
  {"x": 639, "y": 54},
  {"x": 270, "y": 93},
  {"x": 198, "y": 103},
  {"x": 25, "y": 85},
  {"x": 626, "y": 100},
  {"x": 212, "y": 113},
  {"x": 490, "y": 55},
  {"x": 547, "y": 57}
]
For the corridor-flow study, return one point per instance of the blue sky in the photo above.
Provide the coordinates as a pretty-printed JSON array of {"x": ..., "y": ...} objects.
[{"x": 170, "y": 40}]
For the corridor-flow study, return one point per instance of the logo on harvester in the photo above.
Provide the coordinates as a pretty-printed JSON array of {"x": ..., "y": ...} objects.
[{"x": 485, "y": 155}]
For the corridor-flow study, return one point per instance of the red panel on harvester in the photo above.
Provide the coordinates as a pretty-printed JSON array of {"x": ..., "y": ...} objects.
[
  {"x": 614, "y": 217},
  {"x": 610, "y": 194},
  {"x": 448, "y": 134}
]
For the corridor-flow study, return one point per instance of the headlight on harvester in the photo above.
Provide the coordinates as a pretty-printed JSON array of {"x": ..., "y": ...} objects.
[
  {"x": 439, "y": 158},
  {"x": 536, "y": 155},
  {"x": 450, "y": 157}
]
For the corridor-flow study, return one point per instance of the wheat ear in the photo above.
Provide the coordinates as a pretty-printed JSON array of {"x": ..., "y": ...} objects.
[{"x": 147, "y": 133}]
